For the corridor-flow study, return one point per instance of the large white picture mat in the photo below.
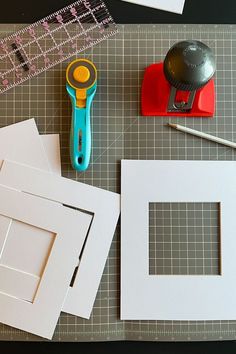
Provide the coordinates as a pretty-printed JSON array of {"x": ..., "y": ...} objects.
[{"x": 175, "y": 297}]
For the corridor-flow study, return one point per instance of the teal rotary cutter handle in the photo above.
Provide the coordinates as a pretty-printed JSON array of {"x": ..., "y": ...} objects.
[{"x": 81, "y": 76}]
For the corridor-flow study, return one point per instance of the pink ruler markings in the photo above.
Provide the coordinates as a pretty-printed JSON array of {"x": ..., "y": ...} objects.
[{"x": 42, "y": 45}]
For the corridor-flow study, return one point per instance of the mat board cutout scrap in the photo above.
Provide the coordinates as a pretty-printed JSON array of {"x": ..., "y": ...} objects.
[
  {"x": 105, "y": 207},
  {"x": 176, "y": 6},
  {"x": 171, "y": 297},
  {"x": 21, "y": 142},
  {"x": 26, "y": 299}
]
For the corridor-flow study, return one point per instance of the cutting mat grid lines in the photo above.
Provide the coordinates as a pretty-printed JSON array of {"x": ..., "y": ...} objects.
[
  {"x": 184, "y": 238},
  {"x": 119, "y": 132}
]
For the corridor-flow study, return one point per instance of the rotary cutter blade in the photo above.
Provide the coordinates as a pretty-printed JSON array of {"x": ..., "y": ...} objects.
[{"x": 81, "y": 76}]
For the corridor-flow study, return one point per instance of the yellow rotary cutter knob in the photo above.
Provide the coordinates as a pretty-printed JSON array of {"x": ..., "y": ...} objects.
[{"x": 81, "y": 74}]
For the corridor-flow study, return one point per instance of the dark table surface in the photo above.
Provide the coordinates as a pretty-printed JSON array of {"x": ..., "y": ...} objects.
[{"x": 195, "y": 11}]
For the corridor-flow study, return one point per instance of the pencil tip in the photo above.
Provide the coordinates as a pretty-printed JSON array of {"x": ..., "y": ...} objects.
[{"x": 172, "y": 125}]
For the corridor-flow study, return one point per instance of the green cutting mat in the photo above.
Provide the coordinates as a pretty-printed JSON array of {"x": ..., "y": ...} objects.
[{"x": 119, "y": 132}]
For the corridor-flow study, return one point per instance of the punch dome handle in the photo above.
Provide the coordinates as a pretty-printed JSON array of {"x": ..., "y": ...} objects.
[
  {"x": 189, "y": 65},
  {"x": 81, "y": 86}
]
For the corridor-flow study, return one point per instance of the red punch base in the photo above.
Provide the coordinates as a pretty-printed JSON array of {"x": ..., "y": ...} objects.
[{"x": 156, "y": 92}]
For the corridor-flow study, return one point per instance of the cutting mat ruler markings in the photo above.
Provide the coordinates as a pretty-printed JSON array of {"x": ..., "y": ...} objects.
[{"x": 41, "y": 45}]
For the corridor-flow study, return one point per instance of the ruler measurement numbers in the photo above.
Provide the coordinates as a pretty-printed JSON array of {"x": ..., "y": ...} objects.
[{"x": 52, "y": 40}]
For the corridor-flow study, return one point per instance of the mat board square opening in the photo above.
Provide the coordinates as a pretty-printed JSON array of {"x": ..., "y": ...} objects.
[{"x": 184, "y": 239}]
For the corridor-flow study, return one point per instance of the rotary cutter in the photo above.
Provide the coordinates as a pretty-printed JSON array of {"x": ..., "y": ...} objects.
[{"x": 81, "y": 76}]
